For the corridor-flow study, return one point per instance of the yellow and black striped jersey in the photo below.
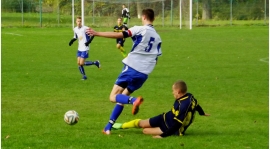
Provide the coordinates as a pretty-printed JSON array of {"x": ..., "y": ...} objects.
[{"x": 181, "y": 115}]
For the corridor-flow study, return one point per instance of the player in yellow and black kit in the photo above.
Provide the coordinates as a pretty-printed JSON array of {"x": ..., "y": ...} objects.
[
  {"x": 175, "y": 121},
  {"x": 120, "y": 41}
]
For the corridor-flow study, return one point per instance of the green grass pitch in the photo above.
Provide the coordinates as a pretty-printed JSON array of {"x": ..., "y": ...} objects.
[{"x": 226, "y": 68}]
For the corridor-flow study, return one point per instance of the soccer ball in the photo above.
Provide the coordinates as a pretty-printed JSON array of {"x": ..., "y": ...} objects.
[{"x": 71, "y": 117}]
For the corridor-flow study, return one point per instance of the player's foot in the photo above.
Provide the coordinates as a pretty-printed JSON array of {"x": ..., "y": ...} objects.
[
  {"x": 136, "y": 104},
  {"x": 107, "y": 132},
  {"x": 84, "y": 78},
  {"x": 97, "y": 63},
  {"x": 117, "y": 126}
]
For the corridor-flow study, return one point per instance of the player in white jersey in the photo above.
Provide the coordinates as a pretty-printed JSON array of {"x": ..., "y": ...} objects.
[
  {"x": 137, "y": 65},
  {"x": 83, "y": 46}
]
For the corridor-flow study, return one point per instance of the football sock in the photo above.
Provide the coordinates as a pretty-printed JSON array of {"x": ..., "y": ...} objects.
[
  {"x": 124, "y": 99},
  {"x": 87, "y": 63},
  {"x": 115, "y": 113},
  {"x": 82, "y": 70},
  {"x": 131, "y": 124},
  {"x": 123, "y": 52}
]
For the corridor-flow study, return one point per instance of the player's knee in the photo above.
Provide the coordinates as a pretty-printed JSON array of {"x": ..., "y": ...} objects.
[
  {"x": 145, "y": 131},
  {"x": 113, "y": 98}
]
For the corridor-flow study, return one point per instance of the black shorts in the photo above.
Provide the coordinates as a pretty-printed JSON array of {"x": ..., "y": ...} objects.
[
  {"x": 120, "y": 41},
  {"x": 158, "y": 121}
]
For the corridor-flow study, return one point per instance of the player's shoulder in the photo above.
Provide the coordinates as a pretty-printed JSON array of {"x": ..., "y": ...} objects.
[{"x": 85, "y": 27}]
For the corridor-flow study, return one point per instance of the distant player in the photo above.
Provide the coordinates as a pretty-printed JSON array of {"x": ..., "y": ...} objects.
[
  {"x": 83, "y": 46},
  {"x": 125, "y": 14},
  {"x": 175, "y": 121},
  {"x": 120, "y": 41},
  {"x": 139, "y": 63}
]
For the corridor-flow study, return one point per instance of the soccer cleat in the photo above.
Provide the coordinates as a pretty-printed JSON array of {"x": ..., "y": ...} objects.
[
  {"x": 117, "y": 126},
  {"x": 136, "y": 104},
  {"x": 84, "y": 78},
  {"x": 97, "y": 63},
  {"x": 107, "y": 132}
]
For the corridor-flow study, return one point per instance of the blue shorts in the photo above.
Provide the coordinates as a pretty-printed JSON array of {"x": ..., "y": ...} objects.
[
  {"x": 82, "y": 54},
  {"x": 131, "y": 79}
]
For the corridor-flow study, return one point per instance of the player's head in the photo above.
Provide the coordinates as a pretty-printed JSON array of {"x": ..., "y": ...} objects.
[
  {"x": 179, "y": 88},
  {"x": 123, "y": 6},
  {"x": 148, "y": 15},
  {"x": 119, "y": 21},
  {"x": 79, "y": 21}
]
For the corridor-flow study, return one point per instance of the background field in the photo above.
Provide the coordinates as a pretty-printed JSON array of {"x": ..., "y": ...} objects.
[{"x": 226, "y": 68}]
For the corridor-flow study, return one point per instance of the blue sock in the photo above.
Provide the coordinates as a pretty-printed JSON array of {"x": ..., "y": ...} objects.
[
  {"x": 124, "y": 99},
  {"x": 87, "y": 63},
  {"x": 115, "y": 114},
  {"x": 82, "y": 70}
]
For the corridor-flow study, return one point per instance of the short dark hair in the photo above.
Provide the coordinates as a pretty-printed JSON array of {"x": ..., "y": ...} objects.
[
  {"x": 79, "y": 17},
  {"x": 149, "y": 13},
  {"x": 181, "y": 85}
]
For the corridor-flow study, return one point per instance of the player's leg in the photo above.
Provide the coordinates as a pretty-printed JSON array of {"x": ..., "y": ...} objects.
[
  {"x": 152, "y": 131},
  {"x": 131, "y": 80},
  {"x": 125, "y": 20},
  {"x": 119, "y": 46},
  {"x": 154, "y": 125},
  {"x": 81, "y": 69},
  {"x": 116, "y": 111},
  {"x": 80, "y": 62},
  {"x": 85, "y": 55}
]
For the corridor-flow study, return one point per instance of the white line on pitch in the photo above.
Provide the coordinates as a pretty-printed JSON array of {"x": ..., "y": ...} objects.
[
  {"x": 266, "y": 60},
  {"x": 14, "y": 34}
]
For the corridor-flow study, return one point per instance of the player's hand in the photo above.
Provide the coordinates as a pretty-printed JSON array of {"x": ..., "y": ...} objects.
[
  {"x": 157, "y": 137},
  {"x": 206, "y": 114},
  {"x": 90, "y": 32},
  {"x": 70, "y": 43},
  {"x": 86, "y": 44}
]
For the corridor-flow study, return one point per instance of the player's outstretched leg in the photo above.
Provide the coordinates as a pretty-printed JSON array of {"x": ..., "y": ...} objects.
[
  {"x": 136, "y": 105},
  {"x": 115, "y": 114},
  {"x": 124, "y": 99}
]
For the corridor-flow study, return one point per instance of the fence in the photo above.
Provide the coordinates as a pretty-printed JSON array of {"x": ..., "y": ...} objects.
[{"x": 51, "y": 13}]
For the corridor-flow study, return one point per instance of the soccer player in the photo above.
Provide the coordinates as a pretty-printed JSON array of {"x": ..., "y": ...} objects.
[
  {"x": 83, "y": 47},
  {"x": 120, "y": 41},
  {"x": 125, "y": 14},
  {"x": 175, "y": 121},
  {"x": 139, "y": 63}
]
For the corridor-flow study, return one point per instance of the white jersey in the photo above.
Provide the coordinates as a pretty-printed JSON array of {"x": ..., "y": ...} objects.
[
  {"x": 145, "y": 50},
  {"x": 82, "y": 37}
]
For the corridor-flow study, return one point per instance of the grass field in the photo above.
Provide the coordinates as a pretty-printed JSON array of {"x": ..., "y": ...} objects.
[{"x": 226, "y": 68}]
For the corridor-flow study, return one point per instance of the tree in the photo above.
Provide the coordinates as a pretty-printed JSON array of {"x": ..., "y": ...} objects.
[{"x": 207, "y": 12}]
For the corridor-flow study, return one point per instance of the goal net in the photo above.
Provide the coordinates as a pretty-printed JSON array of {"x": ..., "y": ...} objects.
[{"x": 105, "y": 12}]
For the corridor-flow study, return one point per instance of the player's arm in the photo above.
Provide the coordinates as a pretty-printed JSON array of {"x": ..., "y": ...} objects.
[
  {"x": 88, "y": 42},
  {"x": 200, "y": 110},
  {"x": 73, "y": 39},
  {"x": 123, "y": 34}
]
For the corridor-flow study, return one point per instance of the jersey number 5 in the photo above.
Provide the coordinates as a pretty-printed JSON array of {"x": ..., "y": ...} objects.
[{"x": 150, "y": 44}]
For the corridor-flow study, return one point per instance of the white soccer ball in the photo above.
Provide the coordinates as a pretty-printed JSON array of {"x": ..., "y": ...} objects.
[{"x": 71, "y": 117}]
